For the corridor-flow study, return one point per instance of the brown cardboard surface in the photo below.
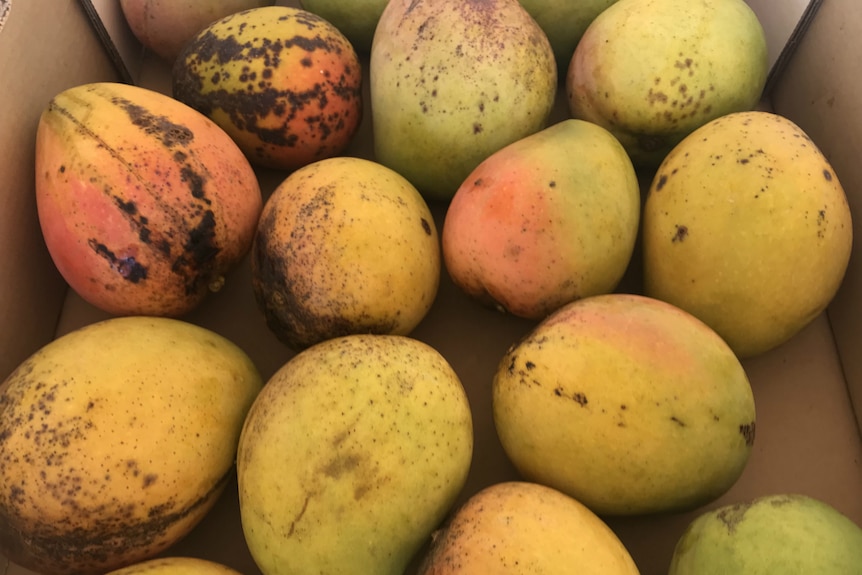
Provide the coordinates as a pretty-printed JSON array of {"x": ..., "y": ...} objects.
[
  {"x": 38, "y": 57},
  {"x": 807, "y": 438},
  {"x": 820, "y": 91}
]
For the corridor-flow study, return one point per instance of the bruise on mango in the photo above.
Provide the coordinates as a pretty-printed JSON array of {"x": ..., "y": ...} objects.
[
  {"x": 287, "y": 299},
  {"x": 287, "y": 88}
]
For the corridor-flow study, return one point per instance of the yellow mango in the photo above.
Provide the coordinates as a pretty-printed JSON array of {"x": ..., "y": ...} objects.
[
  {"x": 344, "y": 245},
  {"x": 523, "y": 528},
  {"x": 351, "y": 456},
  {"x": 747, "y": 227},
  {"x": 626, "y": 403},
  {"x": 115, "y": 440}
]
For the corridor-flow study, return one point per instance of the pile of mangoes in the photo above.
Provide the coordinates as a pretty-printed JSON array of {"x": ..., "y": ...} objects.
[{"x": 116, "y": 439}]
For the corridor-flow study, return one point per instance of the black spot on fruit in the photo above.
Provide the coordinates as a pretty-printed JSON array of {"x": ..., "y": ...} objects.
[
  {"x": 662, "y": 180},
  {"x": 732, "y": 515},
  {"x": 170, "y": 133},
  {"x": 426, "y": 226},
  {"x": 681, "y": 233},
  {"x": 127, "y": 267},
  {"x": 827, "y": 175},
  {"x": 747, "y": 431}
]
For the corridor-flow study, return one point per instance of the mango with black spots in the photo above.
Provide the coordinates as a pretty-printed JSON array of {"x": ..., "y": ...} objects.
[
  {"x": 285, "y": 83},
  {"x": 116, "y": 439},
  {"x": 344, "y": 245},
  {"x": 746, "y": 225},
  {"x": 145, "y": 205},
  {"x": 628, "y": 404},
  {"x": 652, "y": 71}
]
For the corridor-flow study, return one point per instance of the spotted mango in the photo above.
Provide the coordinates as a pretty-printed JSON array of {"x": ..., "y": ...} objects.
[
  {"x": 145, "y": 205},
  {"x": 286, "y": 84}
]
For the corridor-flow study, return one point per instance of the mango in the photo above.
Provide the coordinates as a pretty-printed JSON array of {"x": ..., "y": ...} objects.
[
  {"x": 344, "y": 245},
  {"x": 787, "y": 533},
  {"x": 116, "y": 439},
  {"x": 144, "y": 204},
  {"x": 357, "y": 19},
  {"x": 165, "y": 26},
  {"x": 351, "y": 456},
  {"x": 176, "y": 566},
  {"x": 451, "y": 82},
  {"x": 523, "y": 528},
  {"x": 546, "y": 220},
  {"x": 653, "y": 71},
  {"x": 747, "y": 227},
  {"x": 564, "y": 22},
  {"x": 626, "y": 403},
  {"x": 284, "y": 83}
]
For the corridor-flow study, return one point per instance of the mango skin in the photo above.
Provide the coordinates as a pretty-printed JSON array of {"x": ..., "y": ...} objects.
[
  {"x": 283, "y": 82},
  {"x": 343, "y": 246},
  {"x": 452, "y": 82},
  {"x": 788, "y": 533},
  {"x": 546, "y": 220},
  {"x": 523, "y": 528},
  {"x": 145, "y": 205},
  {"x": 176, "y": 566},
  {"x": 357, "y": 19},
  {"x": 564, "y": 22},
  {"x": 115, "y": 441},
  {"x": 627, "y": 404},
  {"x": 747, "y": 227},
  {"x": 653, "y": 71},
  {"x": 164, "y": 26},
  {"x": 351, "y": 456}
]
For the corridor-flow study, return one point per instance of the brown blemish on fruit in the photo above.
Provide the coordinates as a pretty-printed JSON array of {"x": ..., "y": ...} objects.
[
  {"x": 732, "y": 515},
  {"x": 681, "y": 234},
  {"x": 298, "y": 517},
  {"x": 170, "y": 133},
  {"x": 654, "y": 97},
  {"x": 96, "y": 534},
  {"x": 426, "y": 227},
  {"x": 127, "y": 267},
  {"x": 827, "y": 175},
  {"x": 678, "y": 421},
  {"x": 662, "y": 180},
  {"x": 747, "y": 431},
  {"x": 287, "y": 299},
  {"x": 580, "y": 399}
]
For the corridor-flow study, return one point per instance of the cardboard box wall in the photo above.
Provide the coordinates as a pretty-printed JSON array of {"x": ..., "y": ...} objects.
[{"x": 808, "y": 438}]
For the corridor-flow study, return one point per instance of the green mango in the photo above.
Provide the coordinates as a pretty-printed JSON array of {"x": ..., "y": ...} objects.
[
  {"x": 356, "y": 19},
  {"x": 452, "y": 82},
  {"x": 791, "y": 534},
  {"x": 653, "y": 71},
  {"x": 564, "y": 21}
]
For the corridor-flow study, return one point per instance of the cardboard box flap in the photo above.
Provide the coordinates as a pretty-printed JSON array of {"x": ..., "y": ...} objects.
[{"x": 39, "y": 57}]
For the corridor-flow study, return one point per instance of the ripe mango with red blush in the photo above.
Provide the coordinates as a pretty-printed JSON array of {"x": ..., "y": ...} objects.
[{"x": 546, "y": 220}]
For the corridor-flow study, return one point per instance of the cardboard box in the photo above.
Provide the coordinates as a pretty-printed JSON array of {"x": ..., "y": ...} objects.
[{"x": 808, "y": 391}]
